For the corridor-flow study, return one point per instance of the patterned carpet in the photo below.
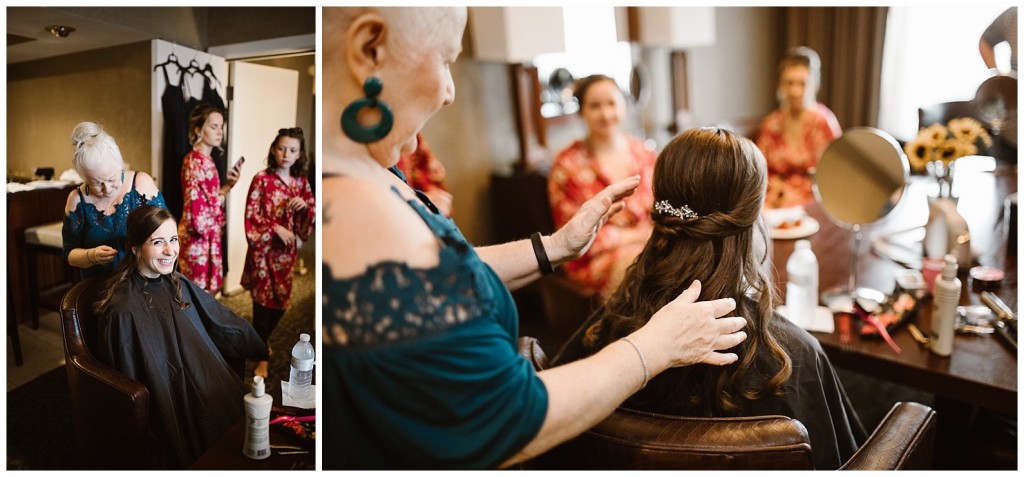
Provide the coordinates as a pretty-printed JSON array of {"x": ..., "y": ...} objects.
[{"x": 39, "y": 412}]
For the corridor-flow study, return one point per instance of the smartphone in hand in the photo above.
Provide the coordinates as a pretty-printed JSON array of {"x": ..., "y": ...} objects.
[{"x": 237, "y": 168}]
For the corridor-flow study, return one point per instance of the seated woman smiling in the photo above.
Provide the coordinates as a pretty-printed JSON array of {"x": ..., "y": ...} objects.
[
  {"x": 158, "y": 328},
  {"x": 703, "y": 231}
]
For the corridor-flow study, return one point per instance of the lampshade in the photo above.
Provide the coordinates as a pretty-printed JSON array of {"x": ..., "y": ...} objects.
[
  {"x": 676, "y": 27},
  {"x": 516, "y": 34}
]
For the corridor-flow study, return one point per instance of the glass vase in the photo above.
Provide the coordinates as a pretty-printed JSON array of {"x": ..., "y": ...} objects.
[{"x": 942, "y": 174}]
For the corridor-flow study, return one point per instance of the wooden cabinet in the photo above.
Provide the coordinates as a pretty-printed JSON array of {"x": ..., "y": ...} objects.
[{"x": 28, "y": 209}]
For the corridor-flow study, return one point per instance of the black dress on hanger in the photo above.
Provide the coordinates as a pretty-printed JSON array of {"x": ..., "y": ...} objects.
[{"x": 176, "y": 143}]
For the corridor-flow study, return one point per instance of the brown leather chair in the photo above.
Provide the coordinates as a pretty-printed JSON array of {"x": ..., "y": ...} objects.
[
  {"x": 631, "y": 439},
  {"x": 110, "y": 412}
]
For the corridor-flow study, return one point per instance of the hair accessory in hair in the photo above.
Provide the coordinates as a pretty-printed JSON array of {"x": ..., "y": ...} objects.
[{"x": 684, "y": 212}]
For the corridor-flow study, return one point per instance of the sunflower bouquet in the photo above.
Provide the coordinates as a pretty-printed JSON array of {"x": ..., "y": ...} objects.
[{"x": 958, "y": 138}]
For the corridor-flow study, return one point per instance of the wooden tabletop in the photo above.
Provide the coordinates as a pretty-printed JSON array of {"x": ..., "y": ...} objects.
[{"x": 982, "y": 369}]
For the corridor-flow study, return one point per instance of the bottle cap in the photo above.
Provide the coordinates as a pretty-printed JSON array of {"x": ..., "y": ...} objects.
[
  {"x": 303, "y": 337},
  {"x": 257, "y": 386},
  {"x": 950, "y": 267}
]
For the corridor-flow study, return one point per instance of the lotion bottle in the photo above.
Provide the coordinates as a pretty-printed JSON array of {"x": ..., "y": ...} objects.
[
  {"x": 945, "y": 300},
  {"x": 257, "y": 421}
]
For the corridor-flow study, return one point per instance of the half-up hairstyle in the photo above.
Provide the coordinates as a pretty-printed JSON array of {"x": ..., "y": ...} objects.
[
  {"x": 301, "y": 166},
  {"x": 722, "y": 177},
  {"x": 141, "y": 224}
]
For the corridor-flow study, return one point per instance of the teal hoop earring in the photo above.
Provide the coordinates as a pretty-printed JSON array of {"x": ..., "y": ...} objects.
[
  {"x": 122, "y": 176},
  {"x": 87, "y": 190},
  {"x": 349, "y": 117}
]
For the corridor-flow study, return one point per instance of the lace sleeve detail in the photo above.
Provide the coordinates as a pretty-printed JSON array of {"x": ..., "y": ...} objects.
[{"x": 392, "y": 302}]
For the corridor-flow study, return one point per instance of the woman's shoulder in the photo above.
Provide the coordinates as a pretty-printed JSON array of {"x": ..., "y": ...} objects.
[
  {"x": 375, "y": 224},
  {"x": 575, "y": 151},
  {"x": 145, "y": 184},
  {"x": 74, "y": 200},
  {"x": 794, "y": 338}
]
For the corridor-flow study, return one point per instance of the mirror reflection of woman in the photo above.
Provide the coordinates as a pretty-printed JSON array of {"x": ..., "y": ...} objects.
[
  {"x": 793, "y": 137},
  {"x": 589, "y": 165},
  {"x": 202, "y": 216},
  {"x": 96, "y": 211},
  {"x": 158, "y": 328},
  {"x": 279, "y": 213}
]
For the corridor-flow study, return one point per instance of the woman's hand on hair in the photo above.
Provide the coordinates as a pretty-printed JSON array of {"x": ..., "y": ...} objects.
[
  {"x": 101, "y": 255},
  {"x": 579, "y": 233},
  {"x": 284, "y": 234},
  {"x": 686, "y": 332}
]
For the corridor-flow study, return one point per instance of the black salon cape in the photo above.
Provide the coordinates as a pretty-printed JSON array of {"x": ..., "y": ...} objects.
[{"x": 179, "y": 355}]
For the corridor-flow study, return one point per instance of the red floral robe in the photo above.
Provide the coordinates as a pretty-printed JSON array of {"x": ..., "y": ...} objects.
[
  {"x": 789, "y": 165},
  {"x": 202, "y": 222},
  {"x": 269, "y": 262},
  {"x": 574, "y": 178}
]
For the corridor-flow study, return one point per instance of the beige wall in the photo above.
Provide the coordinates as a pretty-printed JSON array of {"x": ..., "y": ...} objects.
[
  {"x": 735, "y": 78},
  {"x": 47, "y": 98}
]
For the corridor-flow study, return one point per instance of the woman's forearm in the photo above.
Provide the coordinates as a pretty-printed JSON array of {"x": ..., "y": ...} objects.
[
  {"x": 79, "y": 258},
  {"x": 516, "y": 263}
]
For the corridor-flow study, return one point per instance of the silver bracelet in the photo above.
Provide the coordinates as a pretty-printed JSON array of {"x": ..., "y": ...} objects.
[{"x": 643, "y": 360}]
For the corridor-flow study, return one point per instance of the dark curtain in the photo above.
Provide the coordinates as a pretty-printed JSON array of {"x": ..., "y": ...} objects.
[{"x": 849, "y": 41}]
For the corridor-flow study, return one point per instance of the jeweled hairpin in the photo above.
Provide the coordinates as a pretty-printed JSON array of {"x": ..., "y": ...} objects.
[{"x": 684, "y": 212}]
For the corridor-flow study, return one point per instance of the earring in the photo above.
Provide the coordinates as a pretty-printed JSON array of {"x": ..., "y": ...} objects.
[
  {"x": 367, "y": 134},
  {"x": 87, "y": 190},
  {"x": 122, "y": 176}
]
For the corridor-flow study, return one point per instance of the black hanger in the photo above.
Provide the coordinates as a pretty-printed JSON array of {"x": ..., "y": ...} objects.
[
  {"x": 193, "y": 67},
  {"x": 208, "y": 72},
  {"x": 171, "y": 59}
]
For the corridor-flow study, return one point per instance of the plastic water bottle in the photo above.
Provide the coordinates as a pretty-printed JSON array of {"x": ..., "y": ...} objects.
[
  {"x": 947, "y": 296},
  {"x": 302, "y": 370},
  {"x": 802, "y": 288}
]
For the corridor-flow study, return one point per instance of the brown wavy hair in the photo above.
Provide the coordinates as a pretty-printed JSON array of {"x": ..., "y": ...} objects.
[
  {"x": 141, "y": 224},
  {"x": 301, "y": 166},
  {"x": 722, "y": 177}
]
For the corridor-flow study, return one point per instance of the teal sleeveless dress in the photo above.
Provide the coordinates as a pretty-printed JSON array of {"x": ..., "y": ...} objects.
[{"x": 421, "y": 369}]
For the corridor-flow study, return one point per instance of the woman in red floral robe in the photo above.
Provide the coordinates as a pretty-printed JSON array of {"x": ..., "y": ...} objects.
[
  {"x": 202, "y": 216},
  {"x": 586, "y": 167},
  {"x": 793, "y": 137},
  {"x": 279, "y": 211}
]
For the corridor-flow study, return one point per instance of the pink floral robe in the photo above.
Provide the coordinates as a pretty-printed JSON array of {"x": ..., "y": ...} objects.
[
  {"x": 269, "y": 262},
  {"x": 202, "y": 222},
  {"x": 790, "y": 164},
  {"x": 575, "y": 177}
]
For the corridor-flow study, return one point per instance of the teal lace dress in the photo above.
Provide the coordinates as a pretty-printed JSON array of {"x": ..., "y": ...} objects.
[
  {"x": 421, "y": 369},
  {"x": 88, "y": 227}
]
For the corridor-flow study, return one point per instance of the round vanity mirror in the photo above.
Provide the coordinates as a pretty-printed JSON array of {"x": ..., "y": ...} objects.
[{"x": 860, "y": 179}]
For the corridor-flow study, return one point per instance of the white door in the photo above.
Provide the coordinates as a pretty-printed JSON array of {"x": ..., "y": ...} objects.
[{"x": 263, "y": 100}]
